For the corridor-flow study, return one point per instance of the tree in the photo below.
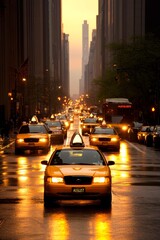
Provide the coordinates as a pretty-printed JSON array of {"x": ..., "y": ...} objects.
[{"x": 133, "y": 72}]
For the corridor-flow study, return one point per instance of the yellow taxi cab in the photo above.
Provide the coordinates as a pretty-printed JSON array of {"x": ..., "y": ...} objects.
[
  {"x": 63, "y": 118},
  {"x": 58, "y": 131},
  {"x": 77, "y": 171},
  {"x": 88, "y": 124},
  {"x": 32, "y": 136},
  {"x": 104, "y": 136}
]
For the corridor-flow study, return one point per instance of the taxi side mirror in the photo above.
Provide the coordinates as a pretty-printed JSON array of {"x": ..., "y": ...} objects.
[
  {"x": 109, "y": 163},
  {"x": 44, "y": 162}
]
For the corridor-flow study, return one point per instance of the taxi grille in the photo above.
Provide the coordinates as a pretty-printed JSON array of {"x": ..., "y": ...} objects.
[
  {"x": 78, "y": 180},
  {"x": 105, "y": 139},
  {"x": 30, "y": 140}
]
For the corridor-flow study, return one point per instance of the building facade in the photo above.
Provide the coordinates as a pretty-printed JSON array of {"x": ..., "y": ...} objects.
[
  {"x": 85, "y": 49},
  {"x": 120, "y": 21},
  {"x": 30, "y": 46},
  {"x": 65, "y": 66}
]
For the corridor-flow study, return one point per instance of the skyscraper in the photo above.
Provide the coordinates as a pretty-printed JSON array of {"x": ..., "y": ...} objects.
[{"x": 85, "y": 40}]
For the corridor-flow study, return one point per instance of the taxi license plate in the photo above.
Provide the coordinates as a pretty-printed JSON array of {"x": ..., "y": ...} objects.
[
  {"x": 78, "y": 190},
  {"x": 31, "y": 144}
]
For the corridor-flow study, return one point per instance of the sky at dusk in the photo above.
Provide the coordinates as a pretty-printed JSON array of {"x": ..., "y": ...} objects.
[{"x": 74, "y": 12}]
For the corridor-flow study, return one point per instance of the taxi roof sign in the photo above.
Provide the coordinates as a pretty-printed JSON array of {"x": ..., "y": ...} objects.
[{"x": 77, "y": 140}]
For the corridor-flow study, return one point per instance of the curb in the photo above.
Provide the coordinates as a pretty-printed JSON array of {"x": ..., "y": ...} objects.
[{"x": 3, "y": 147}]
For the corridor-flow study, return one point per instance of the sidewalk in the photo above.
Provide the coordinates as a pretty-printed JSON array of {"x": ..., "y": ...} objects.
[{"x": 4, "y": 143}]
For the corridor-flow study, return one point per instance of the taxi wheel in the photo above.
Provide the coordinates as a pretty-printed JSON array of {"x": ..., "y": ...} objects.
[
  {"x": 18, "y": 151},
  {"x": 149, "y": 142},
  {"x": 107, "y": 200},
  {"x": 49, "y": 201}
]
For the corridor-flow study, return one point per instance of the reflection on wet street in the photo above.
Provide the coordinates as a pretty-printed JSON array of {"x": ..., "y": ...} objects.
[{"x": 135, "y": 211}]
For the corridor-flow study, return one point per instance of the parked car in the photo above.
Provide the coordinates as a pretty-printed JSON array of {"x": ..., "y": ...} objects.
[
  {"x": 77, "y": 172},
  {"x": 133, "y": 130},
  {"x": 156, "y": 136},
  {"x": 149, "y": 137},
  {"x": 142, "y": 133}
]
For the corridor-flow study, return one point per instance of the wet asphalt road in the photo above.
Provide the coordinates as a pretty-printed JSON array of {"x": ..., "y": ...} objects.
[{"x": 135, "y": 211}]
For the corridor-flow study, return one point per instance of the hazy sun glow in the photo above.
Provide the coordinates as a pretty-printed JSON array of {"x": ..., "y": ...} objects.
[{"x": 74, "y": 12}]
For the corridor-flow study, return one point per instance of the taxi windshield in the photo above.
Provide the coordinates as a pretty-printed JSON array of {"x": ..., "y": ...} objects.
[
  {"x": 33, "y": 129},
  {"x": 90, "y": 120},
  {"x": 77, "y": 156},
  {"x": 53, "y": 123},
  {"x": 104, "y": 131}
]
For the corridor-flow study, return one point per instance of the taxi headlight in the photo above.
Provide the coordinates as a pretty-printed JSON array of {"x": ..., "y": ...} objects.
[
  {"x": 101, "y": 180},
  {"x": 94, "y": 139},
  {"x": 54, "y": 179},
  {"x": 124, "y": 128},
  {"x": 100, "y": 119},
  {"x": 43, "y": 140},
  {"x": 114, "y": 139},
  {"x": 20, "y": 140},
  {"x": 66, "y": 124}
]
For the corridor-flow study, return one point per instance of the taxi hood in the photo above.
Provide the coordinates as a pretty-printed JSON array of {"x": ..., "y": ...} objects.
[{"x": 82, "y": 170}]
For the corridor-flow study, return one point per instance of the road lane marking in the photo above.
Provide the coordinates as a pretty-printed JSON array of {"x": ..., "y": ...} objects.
[{"x": 138, "y": 149}]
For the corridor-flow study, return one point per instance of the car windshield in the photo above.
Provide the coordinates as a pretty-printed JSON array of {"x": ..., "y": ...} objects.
[
  {"x": 53, "y": 124},
  {"x": 144, "y": 128},
  {"x": 90, "y": 120},
  {"x": 61, "y": 117},
  {"x": 104, "y": 131},
  {"x": 33, "y": 129},
  {"x": 77, "y": 156},
  {"x": 158, "y": 129}
]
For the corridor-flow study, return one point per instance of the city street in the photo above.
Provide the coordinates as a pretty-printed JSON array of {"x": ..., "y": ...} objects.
[{"x": 135, "y": 211}]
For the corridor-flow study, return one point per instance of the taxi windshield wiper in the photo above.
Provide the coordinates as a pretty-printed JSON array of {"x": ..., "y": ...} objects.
[{"x": 85, "y": 163}]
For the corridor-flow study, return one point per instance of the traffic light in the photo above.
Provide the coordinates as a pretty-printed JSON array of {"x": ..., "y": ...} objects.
[{"x": 153, "y": 109}]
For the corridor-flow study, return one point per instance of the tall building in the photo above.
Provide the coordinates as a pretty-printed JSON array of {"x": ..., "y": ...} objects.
[
  {"x": 124, "y": 19},
  {"x": 120, "y": 21},
  {"x": 43, "y": 38},
  {"x": 90, "y": 69},
  {"x": 30, "y": 47},
  {"x": 11, "y": 54},
  {"x": 65, "y": 65},
  {"x": 85, "y": 42}
]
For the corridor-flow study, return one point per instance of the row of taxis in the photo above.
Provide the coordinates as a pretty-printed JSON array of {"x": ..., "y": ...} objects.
[
  {"x": 32, "y": 136},
  {"x": 77, "y": 172},
  {"x": 37, "y": 135},
  {"x": 149, "y": 135},
  {"x": 100, "y": 134},
  {"x": 73, "y": 171}
]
